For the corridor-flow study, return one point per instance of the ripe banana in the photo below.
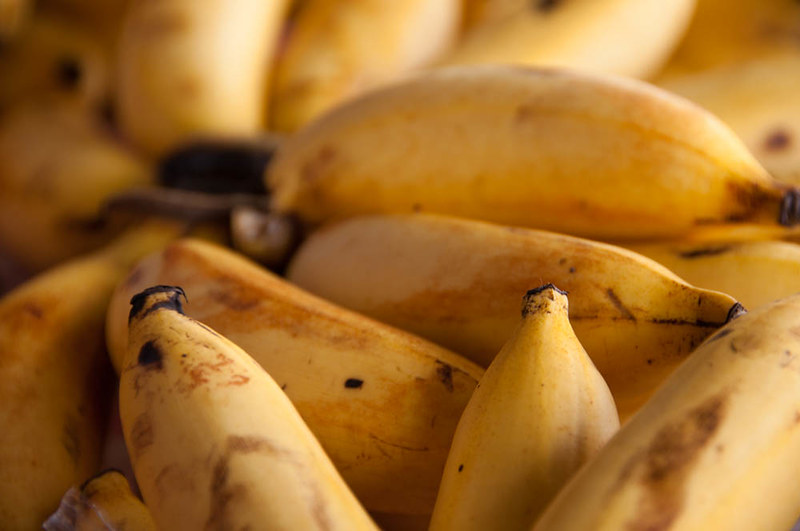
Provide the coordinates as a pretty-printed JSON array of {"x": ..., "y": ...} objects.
[
  {"x": 457, "y": 282},
  {"x": 58, "y": 164},
  {"x": 725, "y": 32},
  {"x": 56, "y": 378},
  {"x": 538, "y": 414},
  {"x": 188, "y": 69},
  {"x": 717, "y": 446},
  {"x": 214, "y": 441},
  {"x": 632, "y": 38},
  {"x": 758, "y": 100},
  {"x": 595, "y": 156},
  {"x": 383, "y": 403},
  {"x": 335, "y": 50},
  {"x": 103, "y": 503}
]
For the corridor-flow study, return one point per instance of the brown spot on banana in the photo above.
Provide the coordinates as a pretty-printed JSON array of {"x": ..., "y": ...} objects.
[
  {"x": 545, "y": 6},
  {"x": 621, "y": 308},
  {"x": 701, "y": 252},
  {"x": 777, "y": 140},
  {"x": 318, "y": 165},
  {"x": 70, "y": 438},
  {"x": 445, "y": 373},
  {"x": 141, "y": 436},
  {"x": 150, "y": 356}
]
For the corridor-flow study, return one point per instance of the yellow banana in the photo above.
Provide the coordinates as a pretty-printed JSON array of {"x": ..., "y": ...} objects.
[
  {"x": 758, "y": 100},
  {"x": 538, "y": 414},
  {"x": 103, "y": 503},
  {"x": 717, "y": 446},
  {"x": 56, "y": 378},
  {"x": 335, "y": 50},
  {"x": 725, "y": 32},
  {"x": 625, "y": 37},
  {"x": 188, "y": 69},
  {"x": 754, "y": 272},
  {"x": 214, "y": 441},
  {"x": 596, "y": 156},
  {"x": 383, "y": 403},
  {"x": 457, "y": 282},
  {"x": 58, "y": 165}
]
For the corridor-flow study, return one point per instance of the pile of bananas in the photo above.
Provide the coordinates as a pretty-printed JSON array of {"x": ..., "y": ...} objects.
[{"x": 431, "y": 264}]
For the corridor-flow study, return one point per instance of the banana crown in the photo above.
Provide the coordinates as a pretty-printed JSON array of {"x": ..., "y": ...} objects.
[{"x": 537, "y": 299}]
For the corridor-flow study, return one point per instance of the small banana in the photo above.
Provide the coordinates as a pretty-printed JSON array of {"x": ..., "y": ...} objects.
[
  {"x": 383, "y": 403},
  {"x": 214, "y": 441},
  {"x": 717, "y": 446},
  {"x": 632, "y": 38},
  {"x": 589, "y": 155},
  {"x": 758, "y": 100},
  {"x": 189, "y": 69},
  {"x": 457, "y": 282},
  {"x": 538, "y": 414},
  {"x": 103, "y": 503},
  {"x": 335, "y": 50},
  {"x": 55, "y": 378}
]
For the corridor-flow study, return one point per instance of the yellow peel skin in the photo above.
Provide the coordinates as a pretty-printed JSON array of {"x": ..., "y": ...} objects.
[
  {"x": 538, "y": 414},
  {"x": 214, "y": 441},
  {"x": 383, "y": 403},
  {"x": 717, "y": 447},
  {"x": 457, "y": 282},
  {"x": 590, "y": 155}
]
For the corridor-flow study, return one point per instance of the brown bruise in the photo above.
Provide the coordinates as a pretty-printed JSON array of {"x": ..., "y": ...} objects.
[
  {"x": 141, "y": 435},
  {"x": 777, "y": 140},
  {"x": 445, "y": 373},
  {"x": 701, "y": 252},
  {"x": 318, "y": 166}
]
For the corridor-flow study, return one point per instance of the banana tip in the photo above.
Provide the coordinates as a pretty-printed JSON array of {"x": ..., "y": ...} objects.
[{"x": 171, "y": 300}]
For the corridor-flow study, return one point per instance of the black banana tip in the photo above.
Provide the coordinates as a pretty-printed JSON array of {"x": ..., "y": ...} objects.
[
  {"x": 172, "y": 301},
  {"x": 790, "y": 208},
  {"x": 527, "y": 300}
]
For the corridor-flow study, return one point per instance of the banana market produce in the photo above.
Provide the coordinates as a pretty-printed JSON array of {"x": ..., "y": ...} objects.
[
  {"x": 626, "y": 37},
  {"x": 56, "y": 377},
  {"x": 104, "y": 502},
  {"x": 214, "y": 441},
  {"x": 383, "y": 403},
  {"x": 758, "y": 100},
  {"x": 188, "y": 69},
  {"x": 457, "y": 282},
  {"x": 596, "y": 156},
  {"x": 754, "y": 272},
  {"x": 717, "y": 447},
  {"x": 539, "y": 412},
  {"x": 335, "y": 50},
  {"x": 58, "y": 165}
]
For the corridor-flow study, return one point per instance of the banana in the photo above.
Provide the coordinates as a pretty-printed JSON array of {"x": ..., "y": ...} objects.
[
  {"x": 457, "y": 282},
  {"x": 189, "y": 69},
  {"x": 56, "y": 377},
  {"x": 754, "y": 272},
  {"x": 758, "y": 100},
  {"x": 717, "y": 447},
  {"x": 596, "y": 156},
  {"x": 539, "y": 413},
  {"x": 58, "y": 165},
  {"x": 383, "y": 403},
  {"x": 334, "y": 51},
  {"x": 726, "y": 32},
  {"x": 214, "y": 441},
  {"x": 104, "y": 503},
  {"x": 633, "y": 38}
]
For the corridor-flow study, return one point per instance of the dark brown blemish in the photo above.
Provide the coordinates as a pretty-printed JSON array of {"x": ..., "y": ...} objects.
[
  {"x": 33, "y": 309},
  {"x": 777, "y": 140},
  {"x": 445, "y": 373},
  {"x": 68, "y": 72},
  {"x": 704, "y": 251},
  {"x": 353, "y": 383},
  {"x": 396, "y": 445},
  {"x": 545, "y": 6},
  {"x": 70, "y": 439},
  {"x": 173, "y": 302},
  {"x": 621, "y": 308},
  {"x": 736, "y": 310},
  {"x": 150, "y": 356},
  {"x": 318, "y": 165},
  {"x": 141, "y": 434},
  {"x": 719, "y": 335}
]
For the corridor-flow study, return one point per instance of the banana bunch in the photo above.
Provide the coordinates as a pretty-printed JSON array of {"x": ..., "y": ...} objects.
[
  {"x": 540, "y": 411},
  {"x": 457, "y": 282},
  {"x": 214, "y": 441},
  {"x": 632, "y": 38},
  {"x": 383, "y": 403},
  {"x": 717, "y": 446},
  {"x": 597, "y": 156}
]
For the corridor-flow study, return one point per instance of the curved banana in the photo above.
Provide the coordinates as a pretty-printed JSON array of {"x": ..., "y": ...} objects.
[
  {"x": 58, "y": 165},
  {"x": 103, "y": 503},
  {"x": 335, "y": 50},
  {"x": 383, "y": 403},
  {"x": 758, "y": 100},
  {"x": 595, "y": 156},
  {"x": 55, "y": 378},
  {"x": 457, "y": 282},
  {"x": 726, "y": 32},
  {"x": 754, "y": 272},
  {"x": 717, "y": 446},
  {"x": 632, "y": 38},
  {"x": 188, "y": 69},
  {"x": 214, "y": 441},
  {"x": 539, "y": 413}
]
